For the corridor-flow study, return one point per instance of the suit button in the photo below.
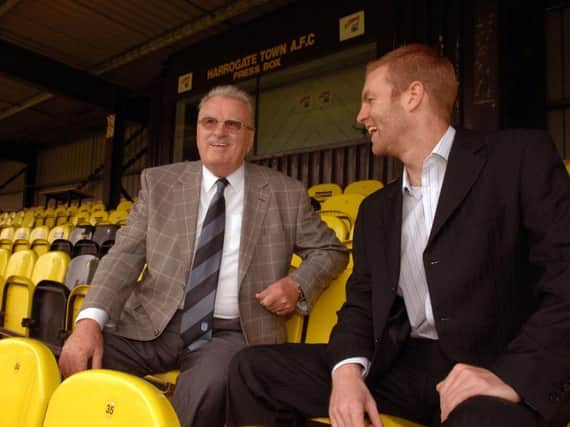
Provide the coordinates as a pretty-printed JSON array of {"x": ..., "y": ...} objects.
[
  {"x": 434, "y": 262},
  {"x": 443, "y": 319}
]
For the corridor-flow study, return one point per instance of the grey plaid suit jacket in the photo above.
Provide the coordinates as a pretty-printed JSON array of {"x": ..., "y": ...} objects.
[{"x": 161, "y": 230}]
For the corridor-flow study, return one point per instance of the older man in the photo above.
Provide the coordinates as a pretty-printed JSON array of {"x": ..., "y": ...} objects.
[{"x": 217, "y": 236}]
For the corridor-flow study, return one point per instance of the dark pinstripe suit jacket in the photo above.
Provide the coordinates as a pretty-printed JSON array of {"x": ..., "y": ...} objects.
[
  {"x": 161, "y": 231},
  {"x": 497, "y": 264}
]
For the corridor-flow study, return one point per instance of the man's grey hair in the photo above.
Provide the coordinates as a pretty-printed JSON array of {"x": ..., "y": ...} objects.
[{"x": 229, "y": 91}]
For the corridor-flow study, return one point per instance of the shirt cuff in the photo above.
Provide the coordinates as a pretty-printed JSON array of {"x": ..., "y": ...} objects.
[
  {"x": 97, "y": 314},
  {"x": 362, "y": 361}
]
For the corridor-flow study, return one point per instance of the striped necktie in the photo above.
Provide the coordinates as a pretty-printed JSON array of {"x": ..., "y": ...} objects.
[{"x": 198, "y": 311}]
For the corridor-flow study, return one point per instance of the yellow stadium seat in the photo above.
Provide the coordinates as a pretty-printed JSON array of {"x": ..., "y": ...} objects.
[
  {"x": 104, "y": 398},
  {"x": 80, "y": 218},
  {"x": 322, "y": 317},
  {"x": 15, "y": 292},
  {"x": 344, "y": 206},
  {"x": 567, "y": 164},
  {"x": 4, "y": 257},
  {"x": 118, "y": 217},
  {"x": 321, "y": 321},
  {"x": 20, "y": 264},
  {"x": 364, "y": 187},
  {"x": 18, "y": 219},
  {"x": 51, "y": 266},
  {"x": 29, "y": 219},
  {"x": 321, "y": 192},
  {"x": 97, "y": 206},
  {"x": 7, "y": 238},
  {"x": 59, "y": 232},
  {"x": 124, "y": 205},
  {"x": 71, "y": 210},
  {"x": 39, "y": 242},
  {"x": 295, "y": 327},
  {"x": 21, "y": 239},
  {"x": 18, "y": 290},
  {"x": 99, "y": 217},
  {"x": 29, "y": 375},
  {"x": 74, "y": 302}
]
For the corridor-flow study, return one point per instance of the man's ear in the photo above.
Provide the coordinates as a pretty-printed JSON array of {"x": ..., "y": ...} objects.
[{"x": 414, "y": 95}]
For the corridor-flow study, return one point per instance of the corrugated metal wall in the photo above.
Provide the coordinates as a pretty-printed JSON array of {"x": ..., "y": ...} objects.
[
  {"x": 339, "y": 163},
  {"x": 76, "y": 164}
]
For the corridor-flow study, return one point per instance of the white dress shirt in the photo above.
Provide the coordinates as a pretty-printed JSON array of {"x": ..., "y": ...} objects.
[
  {"x": 418, "y": 212},
  {"x": 226, "y": 305}
]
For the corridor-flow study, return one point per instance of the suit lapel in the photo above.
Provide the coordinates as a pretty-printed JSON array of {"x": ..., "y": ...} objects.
[
  {"x": 189, "y": 195},
  {"x": 255, "y": 205},
  {"x": 393, "y": 229},
  {"x": 466, "y": 159}
]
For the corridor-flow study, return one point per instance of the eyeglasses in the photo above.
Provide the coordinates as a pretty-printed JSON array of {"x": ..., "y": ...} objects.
[{"x": 232, "y": 126}]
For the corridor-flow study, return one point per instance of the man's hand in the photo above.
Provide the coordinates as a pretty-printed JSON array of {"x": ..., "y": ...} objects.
[
  {"x": 465, "y": 381},
  {"x": 280, "y": 297},
  {"x": 84, "y": 343},
  {"x": 351, "y": 400}
]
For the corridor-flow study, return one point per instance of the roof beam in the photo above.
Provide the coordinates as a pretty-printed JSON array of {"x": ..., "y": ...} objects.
[
  {"x": 185, "y": 31},
  {"x": 57, "y": 77}
]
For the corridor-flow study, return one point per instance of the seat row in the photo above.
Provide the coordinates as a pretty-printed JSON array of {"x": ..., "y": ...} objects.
[
  {"x": 365, "y": 187},
  {"x": 40, "y": 239},
  {"x": 41, "y": 296},
  {"x": 87, "y": 213},
  {"x": 33, "y": 396}
]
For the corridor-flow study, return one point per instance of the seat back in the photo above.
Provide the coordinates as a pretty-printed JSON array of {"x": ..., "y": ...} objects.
[
  {"x": 321, "y": 192},
  {"x": 343, "y": 205},
  {"x": 47, "y": 322},
  {"x": 74, "y": 302},
  {"x": 295, "y": 327},
  {"x": 51, "y": 266},
  {"x": 97, "y": 398},
  {"x": 81, "y": 232},
  {"x": 4, "y": 257},
  {"x": 105, "y": 233},
  {"x": 81, "y": 217},
  {"x": 125, "y": 205},
  {"x": 7, "y": 238},
  {"x": 81, "y": 270},
  {"x": 29, "y": 375},
  {"x": 20, "y": 264},
  {"x": 118, "y": 217},
  {"x": 39, "y": 239},
  {"x": 21, "y": 239},
  {"x": 364, "y": 187},
  {"x": 59, "y": 232},
  {"x": 323, "y": 316},
  {"x": 99, "y": 217},
  {"x": 16, "y": 292}
]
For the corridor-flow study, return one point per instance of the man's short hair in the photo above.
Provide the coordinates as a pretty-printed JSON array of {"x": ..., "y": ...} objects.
[
  {"x": 419, "y": 62},
  {"x": 229, "y": 91}
]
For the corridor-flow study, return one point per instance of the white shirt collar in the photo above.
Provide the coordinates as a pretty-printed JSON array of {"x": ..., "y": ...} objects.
[
  {"x": 236, "y": 178},
  {"x": 442, "y": 150}
]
